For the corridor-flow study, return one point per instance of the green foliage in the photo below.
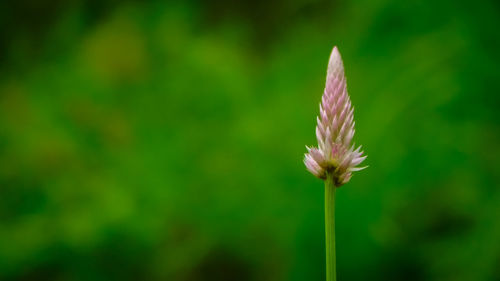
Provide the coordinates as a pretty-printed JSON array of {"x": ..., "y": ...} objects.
[{"x": 165, "y": 141}]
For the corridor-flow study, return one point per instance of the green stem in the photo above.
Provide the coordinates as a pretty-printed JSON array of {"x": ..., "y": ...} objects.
[{"x": 331, "y": 270}]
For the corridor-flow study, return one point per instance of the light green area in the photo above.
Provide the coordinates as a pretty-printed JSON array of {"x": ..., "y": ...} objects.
[{"x": 331, "y": 263}]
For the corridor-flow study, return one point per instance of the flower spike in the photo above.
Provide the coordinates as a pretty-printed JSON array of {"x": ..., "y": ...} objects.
[{"x": 335, "y": 129}]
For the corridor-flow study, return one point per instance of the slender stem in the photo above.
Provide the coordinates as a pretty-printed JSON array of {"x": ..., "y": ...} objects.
[{"x": 331, "y": 270}]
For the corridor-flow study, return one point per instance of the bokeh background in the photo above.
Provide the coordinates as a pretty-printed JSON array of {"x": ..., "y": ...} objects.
[{"x": 164, "y": 140}]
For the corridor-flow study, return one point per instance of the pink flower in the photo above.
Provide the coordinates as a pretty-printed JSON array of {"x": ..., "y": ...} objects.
[{"x": 335, "y": 155}]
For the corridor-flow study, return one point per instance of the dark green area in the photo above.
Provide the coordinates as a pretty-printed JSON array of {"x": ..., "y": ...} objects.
[{"x": 164, "y": 141}]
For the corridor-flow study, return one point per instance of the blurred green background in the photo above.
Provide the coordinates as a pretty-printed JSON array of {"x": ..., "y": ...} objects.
[{"x": 164, "y": 140}]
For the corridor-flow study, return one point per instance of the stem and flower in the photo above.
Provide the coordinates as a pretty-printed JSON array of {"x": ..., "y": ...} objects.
[{"x": 335, "y": 158}]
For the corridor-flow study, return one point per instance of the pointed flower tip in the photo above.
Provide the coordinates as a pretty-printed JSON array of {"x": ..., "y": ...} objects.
[
  {"x": 335, "y": 51},
  {"x": 335, "y": 64}
]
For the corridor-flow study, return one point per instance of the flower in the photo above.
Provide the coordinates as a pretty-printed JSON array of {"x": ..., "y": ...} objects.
[{"x": 335, "y": 129}]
